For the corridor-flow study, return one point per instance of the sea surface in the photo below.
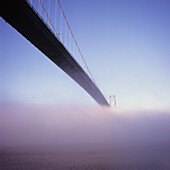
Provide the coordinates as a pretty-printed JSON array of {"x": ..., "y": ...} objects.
[{"x": 85, "y": 157}]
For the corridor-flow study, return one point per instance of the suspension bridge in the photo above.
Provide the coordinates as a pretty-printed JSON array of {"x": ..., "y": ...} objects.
[{"x": 44, "y": 24}]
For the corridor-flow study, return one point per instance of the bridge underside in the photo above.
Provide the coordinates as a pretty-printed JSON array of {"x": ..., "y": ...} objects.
[{"x": 22, "y": 17}]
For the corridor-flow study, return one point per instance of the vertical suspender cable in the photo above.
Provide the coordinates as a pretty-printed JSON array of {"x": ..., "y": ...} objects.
[
  {"x": 66, "y": 34},
  {"x": 71, "y": 34},
  {"x": 48, "y": 11},
  {"x": 55, "y": 15},
  {"x": 76, "y": 44},
  {"x": 61, "y": 25},
  {"x": 40, "y": 7},
  {"x": 48, "y": 17},
  {"x": 70, "y": 40}
]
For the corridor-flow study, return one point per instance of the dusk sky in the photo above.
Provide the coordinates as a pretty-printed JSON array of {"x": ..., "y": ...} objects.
[
  {"x": 126, "y": 45},
  {"x": 47, "y": 121}
]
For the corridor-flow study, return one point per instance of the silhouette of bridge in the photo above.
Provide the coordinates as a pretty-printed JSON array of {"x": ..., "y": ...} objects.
[{"x": 53, "y": 37}]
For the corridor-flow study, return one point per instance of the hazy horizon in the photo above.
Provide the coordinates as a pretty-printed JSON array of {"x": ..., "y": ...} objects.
[{"x": 69, "y": 124}]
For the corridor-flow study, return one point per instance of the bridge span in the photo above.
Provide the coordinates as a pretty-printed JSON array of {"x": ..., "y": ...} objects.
[{"x": 21, "y": 16}]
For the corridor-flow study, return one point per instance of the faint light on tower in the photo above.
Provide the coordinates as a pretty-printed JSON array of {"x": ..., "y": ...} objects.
[{"x": 112, "y": 99}]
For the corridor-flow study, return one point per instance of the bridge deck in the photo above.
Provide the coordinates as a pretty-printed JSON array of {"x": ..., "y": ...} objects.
[{"x": 23, "y": 18}]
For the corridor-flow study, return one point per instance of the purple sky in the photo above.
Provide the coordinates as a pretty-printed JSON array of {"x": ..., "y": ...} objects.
[{"x": 125, "y": 44}]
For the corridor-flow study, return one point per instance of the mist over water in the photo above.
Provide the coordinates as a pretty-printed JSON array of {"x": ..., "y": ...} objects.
[
  {"x": 84, "y": 137},
  {"x": 50, "y": 124}
]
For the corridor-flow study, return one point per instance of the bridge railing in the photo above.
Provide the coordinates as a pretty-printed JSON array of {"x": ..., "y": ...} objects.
[{"x": 51, "y": 13}]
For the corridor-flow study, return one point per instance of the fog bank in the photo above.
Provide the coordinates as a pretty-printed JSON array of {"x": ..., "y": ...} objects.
[{"x": 50, "y": 125}]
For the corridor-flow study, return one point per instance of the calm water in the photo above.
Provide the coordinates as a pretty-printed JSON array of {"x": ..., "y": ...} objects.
[{"x": 85, "y": 157}]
